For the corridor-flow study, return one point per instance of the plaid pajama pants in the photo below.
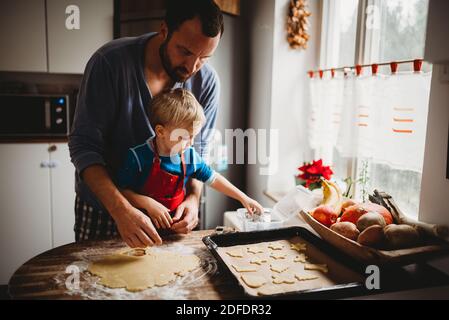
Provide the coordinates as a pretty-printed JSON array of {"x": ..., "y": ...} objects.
[{"x": 91, "y": 223}]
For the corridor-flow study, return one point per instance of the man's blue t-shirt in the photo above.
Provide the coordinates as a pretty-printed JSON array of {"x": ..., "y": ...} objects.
[
  {"x": 111, "y": 115},
  {"x": 135, "y": 170}
]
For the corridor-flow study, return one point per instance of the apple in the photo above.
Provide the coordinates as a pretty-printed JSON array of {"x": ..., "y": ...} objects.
[
  {"x": 347, "y": 203},
  {"x": 353, "y": 213},
  {"x": 325, "y": 215}
]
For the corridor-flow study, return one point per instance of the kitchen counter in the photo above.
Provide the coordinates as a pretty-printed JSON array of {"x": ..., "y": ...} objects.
[{"x": 49, "y": 275}]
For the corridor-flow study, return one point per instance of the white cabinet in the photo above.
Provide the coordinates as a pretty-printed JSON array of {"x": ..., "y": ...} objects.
[
  {"x": 34, "y": 35},
  {"x": 22, "y": 36},
  {"x": 36, "y": 202},
  {"x": 70, "y": 49},
  {"x": 62, "y": 184}
]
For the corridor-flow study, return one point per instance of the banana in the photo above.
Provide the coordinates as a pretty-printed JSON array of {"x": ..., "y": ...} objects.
[{"x": 332, "y": 195}]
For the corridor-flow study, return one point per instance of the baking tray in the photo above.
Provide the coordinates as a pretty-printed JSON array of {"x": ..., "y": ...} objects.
[
  {"x": 324, "y": 253},
  {"x": 368, "y": 255}
]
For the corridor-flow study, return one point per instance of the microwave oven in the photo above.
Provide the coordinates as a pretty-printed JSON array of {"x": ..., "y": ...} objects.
[{"x": 34, "y": 116}]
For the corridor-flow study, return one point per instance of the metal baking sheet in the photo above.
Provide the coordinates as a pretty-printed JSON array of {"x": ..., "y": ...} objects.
[{"x": 344, "y": 278}]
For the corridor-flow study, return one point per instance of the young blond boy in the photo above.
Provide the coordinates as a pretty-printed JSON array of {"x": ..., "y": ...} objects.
[{"x": 154, "y": 174}]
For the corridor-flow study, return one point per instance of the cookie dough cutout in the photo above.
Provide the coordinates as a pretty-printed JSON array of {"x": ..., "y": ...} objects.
[
  {"x": 298, "y": 246},
  {"x": 300, "y": 258},
  {"x": 235, "y": 253},
  {"x": 278, "y": 267},
  {"x": 244, "y": 268},
  {"x": 276, "y": 246},
  {"x": 277, "y": 255},
  {"x": 305, "y": 277},
  {"x": 253, "y": 281},
  {"x": 258, "y": 261},
  {"x": 319, "y": 267},
  {"x": 255, "y": 249},
  {"x": 282, "y": 278}
]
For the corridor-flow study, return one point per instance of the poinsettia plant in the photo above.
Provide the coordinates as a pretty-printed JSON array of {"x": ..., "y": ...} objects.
[{"x": 311, "y": 173}]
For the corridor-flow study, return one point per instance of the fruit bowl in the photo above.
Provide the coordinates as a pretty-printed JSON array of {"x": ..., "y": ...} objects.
[{"x": 370, "y": 255}]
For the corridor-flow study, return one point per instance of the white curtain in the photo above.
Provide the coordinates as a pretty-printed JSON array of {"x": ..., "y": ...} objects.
[
  {"x": 325, "y": 96},
  {"x": 381, "y": 118}
]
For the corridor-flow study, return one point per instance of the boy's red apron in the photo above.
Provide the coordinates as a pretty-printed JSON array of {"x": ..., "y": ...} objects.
[{"x": 164, "y": 187}]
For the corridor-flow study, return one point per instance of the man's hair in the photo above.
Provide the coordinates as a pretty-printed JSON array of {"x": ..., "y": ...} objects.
[
  {"x": 179, "y": 11},
  {"x": 176, "y": 107}
]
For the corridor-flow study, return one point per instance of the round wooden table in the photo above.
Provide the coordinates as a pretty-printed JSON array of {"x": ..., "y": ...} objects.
[{"x": 61, "y": 273}]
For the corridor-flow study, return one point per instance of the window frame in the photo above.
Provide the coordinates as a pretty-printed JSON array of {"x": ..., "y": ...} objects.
[{"x": 367, "y": 47}]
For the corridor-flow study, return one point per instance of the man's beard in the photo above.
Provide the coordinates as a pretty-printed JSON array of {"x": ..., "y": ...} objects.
[{"x": 177, "y": 74}]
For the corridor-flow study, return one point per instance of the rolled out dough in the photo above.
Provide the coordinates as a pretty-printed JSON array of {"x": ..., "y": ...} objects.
[{"x": 136, "y": 273}]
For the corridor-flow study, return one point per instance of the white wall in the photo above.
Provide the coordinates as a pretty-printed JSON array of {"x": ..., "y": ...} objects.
[
  {"x": 288, "y": 103},
  {"x": 230, "y": 63},
  {"x": 434, "y": 201},
  {"x": 277, "y": 91},
  {"x": 261, "y": 29},
  {"x": 437, "y": 46}
]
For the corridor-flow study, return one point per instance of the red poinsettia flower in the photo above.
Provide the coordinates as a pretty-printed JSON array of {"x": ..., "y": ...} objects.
[{"x": 312, "y": 173}]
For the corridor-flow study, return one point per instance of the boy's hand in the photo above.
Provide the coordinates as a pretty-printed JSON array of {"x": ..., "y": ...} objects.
[
  {"x": 186, "y": 217},
  {"x": 252, "y": 206},
  {"x": 158, "y": 213}
]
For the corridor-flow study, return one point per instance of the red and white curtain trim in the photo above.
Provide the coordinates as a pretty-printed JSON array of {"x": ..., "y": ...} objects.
[{"x": 381, "y": 117}]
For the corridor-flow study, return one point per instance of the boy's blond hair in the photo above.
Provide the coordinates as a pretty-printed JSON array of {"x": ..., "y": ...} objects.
[{"x": 177, "y": 108}]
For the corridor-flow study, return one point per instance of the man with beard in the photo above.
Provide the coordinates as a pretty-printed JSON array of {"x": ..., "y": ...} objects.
[{"x": 119, "y": 82}]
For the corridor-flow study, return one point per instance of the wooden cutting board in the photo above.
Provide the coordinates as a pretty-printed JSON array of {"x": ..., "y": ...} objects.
[{"x": 47, "y": 276}]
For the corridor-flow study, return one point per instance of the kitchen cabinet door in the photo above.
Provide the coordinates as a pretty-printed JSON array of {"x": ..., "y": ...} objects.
[
  {"x": 62, "y": 180},
  {"x": 22, "y": 36},
  {"x": 25, "y": 219},
  {"x": 70, "y": 47}
]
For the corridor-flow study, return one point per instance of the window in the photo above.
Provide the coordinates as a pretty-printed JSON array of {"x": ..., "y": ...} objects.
[
  {"x": 377, "y": 31},
  {"x": 338, "y": 45},
  {"x": 402, "y": 29}
]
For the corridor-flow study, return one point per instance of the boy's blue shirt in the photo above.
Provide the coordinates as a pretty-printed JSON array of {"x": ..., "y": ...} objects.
[{"x": 135, "y": 170}]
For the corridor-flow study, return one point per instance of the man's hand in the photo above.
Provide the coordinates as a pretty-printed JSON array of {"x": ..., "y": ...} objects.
[
  {"x": 135, "y": 228},
  {"x": 186, "y": 216}
]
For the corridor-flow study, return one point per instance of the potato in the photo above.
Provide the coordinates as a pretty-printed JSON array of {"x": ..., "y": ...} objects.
[
  {"x": 370, "y": 219},
  {"x": 372, "y": 236},
  {"x": 346, "y": 229},
  {"x": 401, "y": 236}
]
